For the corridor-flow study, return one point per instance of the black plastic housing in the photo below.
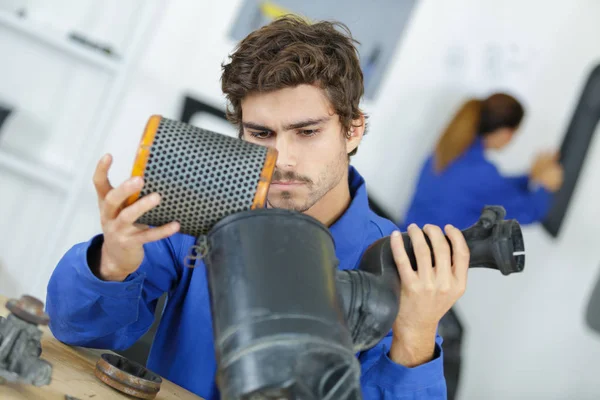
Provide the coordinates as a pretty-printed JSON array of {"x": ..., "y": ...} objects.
[{"x": 278, "y": 321}]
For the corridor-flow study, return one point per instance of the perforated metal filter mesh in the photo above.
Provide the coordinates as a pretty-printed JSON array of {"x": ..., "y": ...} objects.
[{"x": 202, "y": 176}]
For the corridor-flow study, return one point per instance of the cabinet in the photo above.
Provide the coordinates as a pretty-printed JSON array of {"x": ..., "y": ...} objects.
[{"x": 64, "y": 88}]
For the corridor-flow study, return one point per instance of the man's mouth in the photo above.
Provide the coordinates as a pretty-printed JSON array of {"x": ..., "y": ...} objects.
[{"x": 287, "y": 183}]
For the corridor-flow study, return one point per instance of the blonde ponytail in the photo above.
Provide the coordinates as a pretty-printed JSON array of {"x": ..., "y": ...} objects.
[{"x": 459, "y": 134}]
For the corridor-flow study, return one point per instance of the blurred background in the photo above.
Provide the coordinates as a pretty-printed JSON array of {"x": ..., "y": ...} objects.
[{"x": 80, "y": 78}]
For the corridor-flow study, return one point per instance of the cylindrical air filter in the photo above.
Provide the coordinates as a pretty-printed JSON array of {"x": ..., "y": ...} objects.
[
  {"x": 278, "y": 322},
  {"x": 202, "y": 176}
]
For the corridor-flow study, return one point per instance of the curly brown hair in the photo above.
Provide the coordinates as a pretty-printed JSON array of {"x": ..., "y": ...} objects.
[{"x": 291, "y": 51}]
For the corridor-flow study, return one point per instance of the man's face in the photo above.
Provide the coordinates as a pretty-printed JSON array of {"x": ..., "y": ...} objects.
[{"x": 313, "y": 150}]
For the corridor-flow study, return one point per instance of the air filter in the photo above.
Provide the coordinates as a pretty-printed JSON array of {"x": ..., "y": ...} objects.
[{"x": 202, "y": 176}]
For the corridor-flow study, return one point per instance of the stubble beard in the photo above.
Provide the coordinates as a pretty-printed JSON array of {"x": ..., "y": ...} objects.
[{"x": 329, "y": 178}]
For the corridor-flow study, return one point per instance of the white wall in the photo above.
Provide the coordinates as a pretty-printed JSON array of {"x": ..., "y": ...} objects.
[
  {"x": 526, "y": 337},
  {"x": 460, "y": 48}
]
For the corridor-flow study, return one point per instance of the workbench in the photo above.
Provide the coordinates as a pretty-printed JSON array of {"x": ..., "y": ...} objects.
[{"x": 73, "y": 375}]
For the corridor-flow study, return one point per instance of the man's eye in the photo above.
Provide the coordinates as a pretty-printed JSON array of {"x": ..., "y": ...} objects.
[
  {"x": 261, "y": 135},
  {"x": 309, "y": 132}
]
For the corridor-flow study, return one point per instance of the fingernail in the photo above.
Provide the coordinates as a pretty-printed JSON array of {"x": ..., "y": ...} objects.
[
  {"x": 136, "y": 180},
  {"x": 395, "y": 233}
]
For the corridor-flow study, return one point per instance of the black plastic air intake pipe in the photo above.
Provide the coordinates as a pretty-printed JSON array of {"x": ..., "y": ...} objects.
[
  {"x": 371, "y": 292},
  {"x": 287, "y": 322}
]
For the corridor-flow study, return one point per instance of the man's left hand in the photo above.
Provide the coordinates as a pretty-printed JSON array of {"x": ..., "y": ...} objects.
[{"x": 428, "y": 293}]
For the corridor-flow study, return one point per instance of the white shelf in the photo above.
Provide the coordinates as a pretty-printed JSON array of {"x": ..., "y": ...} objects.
[
  {"x": 58, "y": 42},
  {"x": 52, "y": 178}
]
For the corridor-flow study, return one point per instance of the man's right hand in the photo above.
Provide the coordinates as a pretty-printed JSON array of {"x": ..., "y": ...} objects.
[{"x": 122, "y": 250}]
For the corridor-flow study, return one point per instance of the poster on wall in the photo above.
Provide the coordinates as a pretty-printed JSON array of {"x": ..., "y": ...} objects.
[{"x": 377, "y": 25}]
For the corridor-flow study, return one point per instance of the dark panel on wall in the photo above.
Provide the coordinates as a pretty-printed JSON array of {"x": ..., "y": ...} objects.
[
  {"x": 5, "y": 111},
  {"x": 193, "y": 106},
  {"x": 592, "y": 312},
  {"x": 574, "y": 149},
  {"x": 378, "y": 209}
]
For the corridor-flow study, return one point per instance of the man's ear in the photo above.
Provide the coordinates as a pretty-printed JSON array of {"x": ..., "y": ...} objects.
[{"x": 354, "y": 136}]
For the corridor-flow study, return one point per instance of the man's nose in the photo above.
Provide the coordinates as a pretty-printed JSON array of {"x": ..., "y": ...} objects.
[{"x": 285, "y": 147}]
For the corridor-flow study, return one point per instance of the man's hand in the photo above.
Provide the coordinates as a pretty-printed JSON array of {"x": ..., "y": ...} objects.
[
  {"x": 122, "y": 250},
  {"x": 428, "y": 293}
]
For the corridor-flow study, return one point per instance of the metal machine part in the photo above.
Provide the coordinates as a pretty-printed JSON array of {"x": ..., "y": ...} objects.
[
  {"x": 127, "y": 376},
  {"x": 29, "y": 309},
  {"x": 20, "y": 343},
  {"x": 202, "y": 176}
]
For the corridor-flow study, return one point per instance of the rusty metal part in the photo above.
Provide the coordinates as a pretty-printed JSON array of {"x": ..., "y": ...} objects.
[
  {"x": 127, "y": 376},
  {"x": 29, "y": 309},
  {"x": 20, "y": 343}
]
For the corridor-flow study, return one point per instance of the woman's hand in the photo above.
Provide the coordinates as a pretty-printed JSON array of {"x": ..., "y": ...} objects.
[{"x": 547, "y": 171}]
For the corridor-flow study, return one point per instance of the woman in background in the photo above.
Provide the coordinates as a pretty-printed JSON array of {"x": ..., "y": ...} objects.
[{"x": 457, "y": 181}]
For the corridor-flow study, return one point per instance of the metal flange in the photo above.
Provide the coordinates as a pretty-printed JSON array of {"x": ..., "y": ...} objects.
[
  {"x": 127, "y": 376},
  {"x": 29, "y": 309}
]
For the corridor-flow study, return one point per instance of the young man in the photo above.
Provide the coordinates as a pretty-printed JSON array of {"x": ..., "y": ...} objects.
[{"x": 297, "y": 87}]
